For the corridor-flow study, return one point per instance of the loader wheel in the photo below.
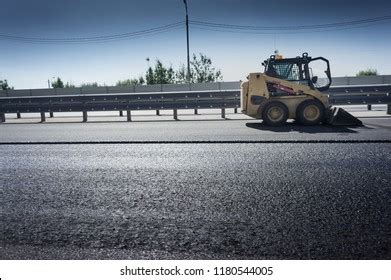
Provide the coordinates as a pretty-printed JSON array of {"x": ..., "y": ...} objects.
[
  {"x": 310, "y": 112},
  {"x": 274, "y": 113}
]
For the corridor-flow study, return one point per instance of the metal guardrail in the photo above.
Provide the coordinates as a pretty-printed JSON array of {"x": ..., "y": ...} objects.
[
  {"x": 362, "y": 80},
  {"x": 217, "y": 99},
  {"x": 337, "y": 81},
  {"x": 120, "y": 102},
  {"x": 123, "y": 89},
  {"x": 360, "y": 95}
]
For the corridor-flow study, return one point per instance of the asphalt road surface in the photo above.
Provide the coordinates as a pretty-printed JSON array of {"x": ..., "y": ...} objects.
[
  {"x": 194, "y": 201},
  {"x": 74, "y": 199},
  {"x": 189, "y": 128}
]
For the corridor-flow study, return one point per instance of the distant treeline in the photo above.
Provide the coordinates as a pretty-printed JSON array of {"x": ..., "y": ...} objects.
[{"x": 201, "y": 71}]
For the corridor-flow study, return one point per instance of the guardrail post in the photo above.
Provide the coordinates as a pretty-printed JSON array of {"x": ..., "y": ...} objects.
[
  {"x": 157, "y": 113},
  {"x": 51, "y": 114},
  {"x": 389, "y": 109},
  {"x": 43, "y": 117},
  {"x": 2, "y": 117},
  {"x": 175, "y": 114},
  {"x": 223, "y": 113},
  {"x": 18, "y": 115},
  {"x": 369, "y": 107},
  {"x": 128, "y": 115},
  {"x": 121, "y": 113},
  {"x": 195, "y": 111},
  {"x": 85, "y": 116},
  {"x": 235, "y": 110}
]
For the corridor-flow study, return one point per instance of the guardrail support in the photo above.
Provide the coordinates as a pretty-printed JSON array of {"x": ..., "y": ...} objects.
[
  {"x": 128, "y": 115},
  {"x": 175, "y": 114},
  {"x": 369, "y": 107},
  {"x": 85, "y": 116},
  {"x": 157, "y": 113},
  {"x": 389, "y": 109},
  {"x": 121, "y": 113},
  {"x": 223, "y": 113},
  {"x": 2, "y": 117},
  {"x": 43, "y": 117},
  {"x": 51, "y": 114},
  {"x": 195, "y": 111},
  {"x": 18, "y": 115},
  {"x": 235, "y": 110}
]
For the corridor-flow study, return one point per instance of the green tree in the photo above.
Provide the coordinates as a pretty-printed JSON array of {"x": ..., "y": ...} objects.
[
  {"x": 69, "y": 85},
  {"x": 4, "y": 85},
  {"x": 201, "y": 71},
  {"x": 131, "y": 82},
  {"x": 180, "y": 75},
  {"x": 367, "y": 72},
  {"x": 58, "y": 83},
  {"x": 93, "y": 84},
  {"x": 150, "y": 77},
  {"x": 160, "y": 74}
]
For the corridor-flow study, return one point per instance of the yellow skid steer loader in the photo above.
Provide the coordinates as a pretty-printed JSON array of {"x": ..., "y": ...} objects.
[{"x": 288, "y": 89}]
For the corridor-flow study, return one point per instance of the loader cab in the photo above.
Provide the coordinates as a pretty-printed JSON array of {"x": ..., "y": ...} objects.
[{"x": 314, "y": 72}]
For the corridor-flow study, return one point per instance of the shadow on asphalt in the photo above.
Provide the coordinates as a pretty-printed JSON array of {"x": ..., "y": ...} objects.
[{"x": 289, "y": 127}]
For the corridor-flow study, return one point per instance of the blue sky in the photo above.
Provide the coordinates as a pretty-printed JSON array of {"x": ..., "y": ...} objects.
[{"x": 30, "y": 65}]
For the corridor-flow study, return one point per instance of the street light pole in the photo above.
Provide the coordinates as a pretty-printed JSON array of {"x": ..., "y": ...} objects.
[
  {"x": 49, "y": 80},
  {"x": 187, "y": 35}
]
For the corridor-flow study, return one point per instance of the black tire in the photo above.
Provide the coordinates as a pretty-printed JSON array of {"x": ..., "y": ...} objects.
[
  {"x": 310, "y": 112},
  {"x": 274, "y": 113}
]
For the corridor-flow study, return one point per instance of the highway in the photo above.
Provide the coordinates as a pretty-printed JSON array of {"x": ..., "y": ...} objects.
[
  {"x": 189, "y": 200},
  {"x": 208, "y": 126}
]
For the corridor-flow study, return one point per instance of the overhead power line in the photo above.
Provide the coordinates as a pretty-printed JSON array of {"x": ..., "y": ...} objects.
[
  {"x": 271, "y": 32},
  {"x": 376, "y": 20},
  {"x": 212, "y": 26},
  {"x": 95, "y": 39}
]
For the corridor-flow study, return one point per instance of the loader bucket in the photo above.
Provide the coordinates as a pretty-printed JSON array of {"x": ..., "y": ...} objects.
[{"x": 340, "y": 117}]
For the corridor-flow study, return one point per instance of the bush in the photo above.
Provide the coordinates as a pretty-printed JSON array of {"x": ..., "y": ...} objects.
[
  {"x": 368, "y": 72},
  {"x": 4, "y": 85}
]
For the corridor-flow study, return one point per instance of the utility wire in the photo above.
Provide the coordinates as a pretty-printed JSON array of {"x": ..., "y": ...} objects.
[
  {"x": 95, "y": 42},
  {"x": 95, "y": 39},
  {"x": 271, "y": 32},
  {"x": 212, "y": 26},
  {"x": 377, "y": 20}
]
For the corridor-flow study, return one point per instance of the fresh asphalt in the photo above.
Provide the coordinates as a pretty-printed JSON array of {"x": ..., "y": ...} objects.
[
  {"x": 187, "y": 129},
  {"x": 193, "y": 200}
]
